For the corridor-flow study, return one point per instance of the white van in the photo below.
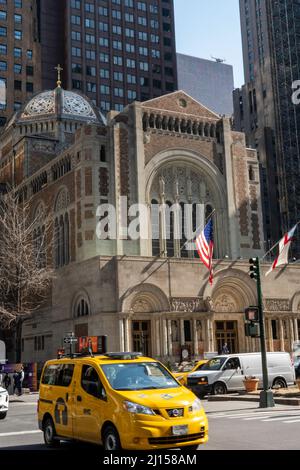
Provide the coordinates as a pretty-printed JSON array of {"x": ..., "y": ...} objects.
[{"x": 226, "y": 373}]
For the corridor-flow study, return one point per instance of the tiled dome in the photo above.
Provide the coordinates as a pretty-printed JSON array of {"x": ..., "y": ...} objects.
[{"x": 59, "y": 101}]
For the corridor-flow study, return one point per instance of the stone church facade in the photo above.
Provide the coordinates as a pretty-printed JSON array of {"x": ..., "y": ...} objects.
[{"x": 147, "y": 294}]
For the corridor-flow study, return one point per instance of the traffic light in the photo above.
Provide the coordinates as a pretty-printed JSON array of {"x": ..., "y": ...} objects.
[
  {"x": 252, "y": 330},
  {"x": 252, "y": 314},
  {"x": 254, "y": 268}
]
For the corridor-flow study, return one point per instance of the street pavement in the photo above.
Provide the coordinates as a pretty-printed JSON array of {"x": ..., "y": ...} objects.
[{"x": 232, "y": 426}]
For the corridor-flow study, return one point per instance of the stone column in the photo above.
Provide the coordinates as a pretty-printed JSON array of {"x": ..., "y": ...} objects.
[
  {"x": 270, "y": 335},
  {"x": 121, "y": 333},
  {"x": 195, "y": 333},
  {"x": 296, "y": 335},
  {"x": 281, "y": 337},
  {"x": 127, "y": 334},
  {"x": 169, "y": 334},
  {"x": 164, "y": 338},
  {"x": 292, "y": 335},
  {"x": 182, "y": 338},
  {"x": 210, "y": 341},
  {"x": 157, "y": 337}
]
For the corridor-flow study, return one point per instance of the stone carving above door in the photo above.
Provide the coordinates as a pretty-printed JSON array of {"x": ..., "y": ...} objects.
[
  {"x": 192, "y": 304},
  {"x": 141, "y": 306},
  {"x": 278, "y": 305},
  {"x": 225, "y": 303}
]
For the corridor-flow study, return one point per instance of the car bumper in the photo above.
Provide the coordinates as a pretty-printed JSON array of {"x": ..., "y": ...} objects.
[
  {"x": 200, "y": 390},
  {"x": 146, "y": 435}
]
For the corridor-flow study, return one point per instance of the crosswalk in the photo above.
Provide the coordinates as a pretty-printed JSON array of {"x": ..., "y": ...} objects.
[{"x": 284, "y": 416}]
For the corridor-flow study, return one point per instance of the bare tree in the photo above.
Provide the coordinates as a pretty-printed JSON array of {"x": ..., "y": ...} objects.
[{"x": 25, "y": 274}]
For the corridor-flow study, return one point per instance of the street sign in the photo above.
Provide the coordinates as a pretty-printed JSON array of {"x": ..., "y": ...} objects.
[{"x": 70, "y": 340}]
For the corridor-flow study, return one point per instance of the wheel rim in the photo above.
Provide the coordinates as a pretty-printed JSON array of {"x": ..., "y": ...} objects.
[
  {"x": 279, "y": 383},
  {"x": 111, "y": 442},
  {"x": 219, "y": 390},
  {"x": 49, "y": 433}
]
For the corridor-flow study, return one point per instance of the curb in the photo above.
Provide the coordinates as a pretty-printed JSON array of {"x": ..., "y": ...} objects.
[{"x": 278, "y": 400}]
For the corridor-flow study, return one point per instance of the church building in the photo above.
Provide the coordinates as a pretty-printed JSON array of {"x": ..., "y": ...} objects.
[{"x": 151, "y": 294}]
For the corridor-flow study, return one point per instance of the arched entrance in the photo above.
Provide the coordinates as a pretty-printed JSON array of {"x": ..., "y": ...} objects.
[
  {"x": 233, "y": 292},
  {"x": 141, "y": 319}
]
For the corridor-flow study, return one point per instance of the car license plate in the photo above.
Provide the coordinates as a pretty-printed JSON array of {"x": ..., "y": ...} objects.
[{"x": 180, "y": 430}]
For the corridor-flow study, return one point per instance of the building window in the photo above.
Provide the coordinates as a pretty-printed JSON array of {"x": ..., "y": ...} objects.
[
  {"x": 82, "y": 308},
  {"x": 18, "y": 34},
  {"x": 39, "y": 343},
  {"x": 62, "y": 230}
]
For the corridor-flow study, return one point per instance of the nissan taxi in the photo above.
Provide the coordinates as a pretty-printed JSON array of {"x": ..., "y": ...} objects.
[
  {"x": 118, "y": 400},
  {"x": 183, "y": 374}
]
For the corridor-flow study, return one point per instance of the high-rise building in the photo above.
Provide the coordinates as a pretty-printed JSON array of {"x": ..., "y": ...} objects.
[
  {"x": 118, "y": 51},
  {"x": 20, "y": 64},
  {"x": 114, "y": 51},
  {"x": 264, "y": 109},
  {"x": 210, "y": 82}
]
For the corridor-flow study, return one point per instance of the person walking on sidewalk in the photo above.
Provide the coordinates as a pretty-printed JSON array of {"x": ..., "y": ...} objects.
[{"x": 225, "y": 349}]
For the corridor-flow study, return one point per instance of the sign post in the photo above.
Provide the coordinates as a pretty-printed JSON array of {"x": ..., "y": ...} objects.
[
  {"x": 70, "y": 339},
  {"x": 266, "y": 396}
]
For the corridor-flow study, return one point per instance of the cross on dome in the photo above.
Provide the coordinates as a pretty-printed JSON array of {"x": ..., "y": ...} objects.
[{"x": 59, "y": 70}]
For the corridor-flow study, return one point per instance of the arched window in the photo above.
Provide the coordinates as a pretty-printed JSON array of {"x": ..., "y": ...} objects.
[
  {"x": 62, "y": 230},
  {"x": 39, "y": 236},
  {"x": 82, "y": 308},
  {"x": 183, "y": 214},
  {"x": 170, "y": 230},
  {"x": 155, "y": 228}
]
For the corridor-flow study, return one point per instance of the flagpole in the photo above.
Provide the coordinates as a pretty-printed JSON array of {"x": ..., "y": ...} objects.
[
  {"x": 266, "y": 254},
  {"x": 192, "y": 239}
]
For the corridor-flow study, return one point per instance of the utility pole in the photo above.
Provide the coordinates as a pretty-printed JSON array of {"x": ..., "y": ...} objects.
[{"x": 266, "y": 396}]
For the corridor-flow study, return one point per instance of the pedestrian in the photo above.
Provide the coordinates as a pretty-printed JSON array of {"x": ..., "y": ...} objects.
[
  {"x": 225, "y": 349},
  {"x": 16, "y": 380},
  {"x": 6, "y": 381},
  {"x": 21, "y": 378}
]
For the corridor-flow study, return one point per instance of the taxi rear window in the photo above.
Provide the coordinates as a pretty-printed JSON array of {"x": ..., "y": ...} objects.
[{"x": 58, "y": 374}]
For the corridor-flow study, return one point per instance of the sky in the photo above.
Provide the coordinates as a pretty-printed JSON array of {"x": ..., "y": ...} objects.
[{"x": 206, "y": 28}]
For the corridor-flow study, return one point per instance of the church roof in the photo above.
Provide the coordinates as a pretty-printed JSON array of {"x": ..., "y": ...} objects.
[{"x": 180, "y": 102}]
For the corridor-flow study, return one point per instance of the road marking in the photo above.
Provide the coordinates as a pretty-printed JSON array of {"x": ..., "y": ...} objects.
[
  {"x": 292, "y": 421},
  {"x": 20, "y": 433},
  {"x": 278, "y": 419},
  {"x": 257, "y": 417},
  {"x": 19, "y": 403},
  {"x": 240, "y": 415}
]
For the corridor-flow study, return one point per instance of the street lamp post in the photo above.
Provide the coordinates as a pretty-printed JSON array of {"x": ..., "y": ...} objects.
[{"x": 266, "y": 396}]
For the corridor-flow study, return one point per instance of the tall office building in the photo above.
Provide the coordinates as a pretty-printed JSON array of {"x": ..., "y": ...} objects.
[
  {"x": 118, "y": 51},
  {"x": 209, "y": 82},
  {"x": 264, "y": 109},
  {"x": 113, "y": 51},
  {"x": 20, "y": 63}
]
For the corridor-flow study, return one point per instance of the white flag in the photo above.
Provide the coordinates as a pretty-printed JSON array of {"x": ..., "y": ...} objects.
[{"x": 284, "y": 247}]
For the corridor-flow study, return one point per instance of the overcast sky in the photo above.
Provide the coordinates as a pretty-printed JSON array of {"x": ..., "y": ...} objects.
[{"x": 206, "y": 28}]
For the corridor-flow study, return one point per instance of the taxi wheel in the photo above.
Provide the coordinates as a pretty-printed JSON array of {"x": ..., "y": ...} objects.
[
  {"x": 50, "y": 434},
  {"x": 111, "y": 440},
  {"x": 3, "y": 415}
]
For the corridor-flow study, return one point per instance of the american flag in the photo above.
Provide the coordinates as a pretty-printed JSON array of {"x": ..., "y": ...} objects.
[{"x": 205, "y": 247}]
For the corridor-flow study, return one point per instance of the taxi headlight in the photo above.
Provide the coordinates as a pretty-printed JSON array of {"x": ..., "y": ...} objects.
[
  {"x": 197, "y": 405},
  {"x": 137, "y": 409}
]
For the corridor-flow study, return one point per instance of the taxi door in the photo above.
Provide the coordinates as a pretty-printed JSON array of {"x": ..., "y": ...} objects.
[
  {"x": 90, "y": 402},
  {"x": 62, "y": 398}
]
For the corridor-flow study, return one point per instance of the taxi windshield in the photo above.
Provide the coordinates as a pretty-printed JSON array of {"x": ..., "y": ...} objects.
[
  {"x": 141, "y": 376},
  {"x": 214, "y": 364}
]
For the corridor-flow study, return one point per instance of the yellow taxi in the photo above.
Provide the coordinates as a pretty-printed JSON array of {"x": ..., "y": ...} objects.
[
  {"x": 182, "y": 376},
  {"x": 118, "y": 400}
]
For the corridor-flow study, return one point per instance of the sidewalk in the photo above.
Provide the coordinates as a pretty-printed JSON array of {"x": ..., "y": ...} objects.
[
  {"x": 25, "y": 398},
  {"x": 290, "y": 396}
]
